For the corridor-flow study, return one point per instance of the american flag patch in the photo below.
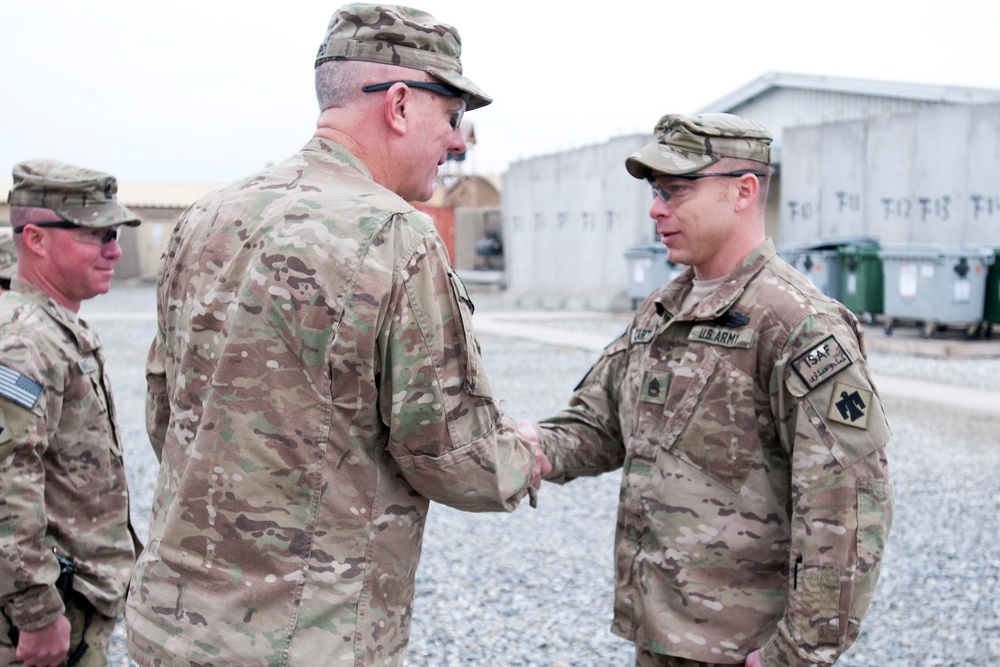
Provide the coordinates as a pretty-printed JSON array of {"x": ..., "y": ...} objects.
[{"x": 19, "y": 388}]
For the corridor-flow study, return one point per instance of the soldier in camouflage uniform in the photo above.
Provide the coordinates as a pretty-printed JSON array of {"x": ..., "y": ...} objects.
[
  {"x": 8, "y": 261},
  {"x": 315, "y": 381},
  {"x": 755, "y": 497},
  {"x": 62, "y": 479}
]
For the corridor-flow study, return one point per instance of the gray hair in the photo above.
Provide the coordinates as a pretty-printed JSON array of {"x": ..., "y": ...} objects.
[{"x": 339, "y": 82}]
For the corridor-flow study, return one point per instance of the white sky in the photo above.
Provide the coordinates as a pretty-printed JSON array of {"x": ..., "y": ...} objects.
[{"x": 212, "y": 90}]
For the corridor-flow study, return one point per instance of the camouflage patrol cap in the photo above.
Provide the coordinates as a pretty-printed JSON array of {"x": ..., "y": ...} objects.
[
  {"x": 8, "y": 257},
  {"x": 686, "y": 144},
  {"x": 395, "y": 35},
  {"x": 77, "y": 194}
]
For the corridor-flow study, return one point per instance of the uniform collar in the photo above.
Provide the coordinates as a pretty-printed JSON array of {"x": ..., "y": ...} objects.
[
  {"x": 86, "y": 341},
  {"x": 671, "y": 296},
  {"x": 338, "y": 153}
]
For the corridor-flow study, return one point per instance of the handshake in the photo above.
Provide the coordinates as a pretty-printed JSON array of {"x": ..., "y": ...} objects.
[{"x": 543, "y": 466}]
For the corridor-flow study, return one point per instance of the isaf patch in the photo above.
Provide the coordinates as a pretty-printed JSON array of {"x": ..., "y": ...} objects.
[
  {"x": 821, "y": 362},
  {"x": 850, "y": 405}
]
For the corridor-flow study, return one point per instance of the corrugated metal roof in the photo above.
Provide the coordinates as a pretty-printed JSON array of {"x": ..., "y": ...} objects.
[
  {"x": 893, "y": 89},
  {"x": 147, "y": 194}
]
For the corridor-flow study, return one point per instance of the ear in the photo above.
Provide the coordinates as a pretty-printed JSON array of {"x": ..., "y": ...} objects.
[
  {"x": 34, "y": 240},
  {"x": 747, "y": 187},
  {"x": 395, "y": 106}
]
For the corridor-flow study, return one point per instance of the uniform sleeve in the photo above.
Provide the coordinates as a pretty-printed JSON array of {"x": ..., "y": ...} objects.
[
  {"x": 586, "y": 438},
  {"x": 157, "y": 398},
  {"x": 28, "y": 570},
  {"x": 448, "y": 433},
  {"x": 834, "y": 426}
]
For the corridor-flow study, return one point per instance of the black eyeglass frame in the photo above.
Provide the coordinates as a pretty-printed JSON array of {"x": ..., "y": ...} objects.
[
  {"x": 665, "y": 196},
  {"x": 108, "y": 236},
  {"x": 439, "y": 88}
]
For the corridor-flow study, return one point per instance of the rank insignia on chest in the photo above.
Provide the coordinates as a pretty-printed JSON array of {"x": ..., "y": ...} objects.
[
  {"x": 821, "y": 362},
  {"x": 87, "y": 365},
  {"x": 654, "y": 387},
  {"x": 850, "y": 405}
]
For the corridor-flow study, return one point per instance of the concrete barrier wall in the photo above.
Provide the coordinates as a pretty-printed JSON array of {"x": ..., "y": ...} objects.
[
  {"x": 932, "y": 176},
  {"x": 568, "y": 218}
]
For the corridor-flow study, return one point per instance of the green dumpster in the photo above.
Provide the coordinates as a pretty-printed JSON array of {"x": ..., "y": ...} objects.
[
  {"x": 861, "y": 279},
  {"x": 991, "y": 309}
]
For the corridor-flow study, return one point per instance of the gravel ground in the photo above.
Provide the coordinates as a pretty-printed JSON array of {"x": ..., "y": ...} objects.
[{"x": 534, "y": 588}]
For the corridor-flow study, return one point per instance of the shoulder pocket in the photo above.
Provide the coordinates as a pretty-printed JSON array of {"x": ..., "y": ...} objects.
[{"x": 847, "y": 413}]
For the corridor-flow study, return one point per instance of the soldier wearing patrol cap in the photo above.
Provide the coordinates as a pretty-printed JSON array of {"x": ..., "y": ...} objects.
[
  {"x": 66, "y": 545},
  {"x": 315, "y": 382},
  {"x": 755, "y": 497}
]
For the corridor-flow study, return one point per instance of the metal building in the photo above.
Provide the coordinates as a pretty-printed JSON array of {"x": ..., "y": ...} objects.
[{"x": 568, "y": 218}]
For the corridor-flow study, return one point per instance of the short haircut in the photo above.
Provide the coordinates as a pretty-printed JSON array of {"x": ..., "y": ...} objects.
[{"x": 737, "y": 164}]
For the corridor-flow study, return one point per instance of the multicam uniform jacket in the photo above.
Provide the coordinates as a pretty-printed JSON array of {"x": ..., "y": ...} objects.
[
  {"x": 314, "y": 384},
  {"x": 755, "y": 499},
  {"x": 62, "y": 478}
]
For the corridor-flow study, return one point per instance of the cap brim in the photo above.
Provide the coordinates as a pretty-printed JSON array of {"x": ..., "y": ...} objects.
[
  {"x": 477, "y": 98},
  {"x": 102, "y": 215},
  {"x": 657, "y": 157}
]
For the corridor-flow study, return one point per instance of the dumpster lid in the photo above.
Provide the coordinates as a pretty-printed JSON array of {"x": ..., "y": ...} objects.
[
  {"x": 646, "y": 249},
  {"x": 937, "y": 251},
  {"x": 829, "y": 243}
]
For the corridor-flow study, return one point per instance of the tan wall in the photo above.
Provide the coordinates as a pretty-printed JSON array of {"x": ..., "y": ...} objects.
[{"x": 143, "y": 245}]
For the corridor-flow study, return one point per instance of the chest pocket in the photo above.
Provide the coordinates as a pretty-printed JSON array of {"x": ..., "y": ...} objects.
[
  {"x": 83, "y": 433},
  {"x": 706, "y": 417}
]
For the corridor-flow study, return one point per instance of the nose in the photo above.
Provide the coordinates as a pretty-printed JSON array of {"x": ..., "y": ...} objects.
[
  {"x": 111, "y": 249},
  {"x": 457, "y": 145},
  {"x": 659, "y": 209}
]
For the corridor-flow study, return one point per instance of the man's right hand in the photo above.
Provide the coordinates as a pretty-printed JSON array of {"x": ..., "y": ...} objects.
[
  {"x": 45, "y": 647},
  {"x": 543, "y": 466}
]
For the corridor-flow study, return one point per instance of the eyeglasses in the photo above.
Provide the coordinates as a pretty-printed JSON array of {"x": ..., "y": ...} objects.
[
  {"x": 108, "y": 236},
  {"x": 439, "y": 88},
  {"x": 661, "y": 192}
]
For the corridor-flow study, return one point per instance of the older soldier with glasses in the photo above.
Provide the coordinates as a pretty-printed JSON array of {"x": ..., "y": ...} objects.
[
  {"x": 315, "y": 382},
  {"x": 66, "y": 545},
  {"x": 755, "y": 497}
]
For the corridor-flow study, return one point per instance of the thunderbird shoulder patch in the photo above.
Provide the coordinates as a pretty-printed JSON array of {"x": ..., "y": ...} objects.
[
  {"x": 821, "y": 362},
  {"x": 850, "y": 405}
]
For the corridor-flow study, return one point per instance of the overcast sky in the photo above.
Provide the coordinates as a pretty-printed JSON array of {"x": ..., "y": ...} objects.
[{"x": 211, "y": 90}]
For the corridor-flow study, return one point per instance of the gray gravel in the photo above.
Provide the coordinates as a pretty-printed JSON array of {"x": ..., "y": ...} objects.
[{"x": 534, "y": 588}]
